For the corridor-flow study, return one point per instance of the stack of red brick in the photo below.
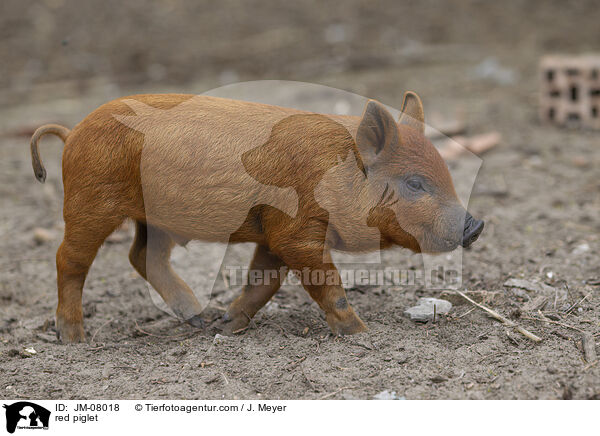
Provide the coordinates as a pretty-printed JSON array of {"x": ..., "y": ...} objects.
[{"x": 570, "y": 90}]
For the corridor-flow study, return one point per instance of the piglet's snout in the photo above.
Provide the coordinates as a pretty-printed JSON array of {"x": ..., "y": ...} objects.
[{"x": 472, "y": 230}]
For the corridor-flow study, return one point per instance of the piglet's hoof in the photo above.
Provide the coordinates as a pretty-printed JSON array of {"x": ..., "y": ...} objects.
[
  {"x": 349, "y": 324},
  {"x": 196, "y": 321},
  {"x": 69, "y": 333},
  {"x": 232, "y": 325}
]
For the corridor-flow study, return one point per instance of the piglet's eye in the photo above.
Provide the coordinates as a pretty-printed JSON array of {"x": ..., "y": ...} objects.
[{"x": 414, "y": 185}]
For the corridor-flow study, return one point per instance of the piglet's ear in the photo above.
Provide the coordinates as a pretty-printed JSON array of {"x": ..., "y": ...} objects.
[
  {"x": 412, "y": 112},
  {"x": 377, "y": 128}
]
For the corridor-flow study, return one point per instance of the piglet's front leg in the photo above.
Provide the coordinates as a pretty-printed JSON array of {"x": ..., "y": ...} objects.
[
  {"x": 307, "y": 254},
  {"x": 332, "y": 299}
]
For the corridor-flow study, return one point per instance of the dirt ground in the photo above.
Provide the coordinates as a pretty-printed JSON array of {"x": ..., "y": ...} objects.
[{"x": 538, "y": 191}]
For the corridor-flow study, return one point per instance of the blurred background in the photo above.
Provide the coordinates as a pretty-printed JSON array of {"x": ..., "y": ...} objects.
[{"x": 62, "y": 47}]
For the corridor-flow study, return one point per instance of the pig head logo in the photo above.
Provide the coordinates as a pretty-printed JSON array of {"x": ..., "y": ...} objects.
[
  {"x": 298, "y": 184},
  {"x": 26, "y": 415}
]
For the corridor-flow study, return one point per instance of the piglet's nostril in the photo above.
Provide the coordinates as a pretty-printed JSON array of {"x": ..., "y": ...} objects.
[
  {"x": 472, "y": 231},
  {"x": 468, "y": 222}
]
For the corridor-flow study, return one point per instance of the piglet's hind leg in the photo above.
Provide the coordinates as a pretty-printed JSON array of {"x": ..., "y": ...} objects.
[
  {"x": 84, "y": 234},
  {"x": 150, "y": 256},
  {"x": 265, "y": 275}
]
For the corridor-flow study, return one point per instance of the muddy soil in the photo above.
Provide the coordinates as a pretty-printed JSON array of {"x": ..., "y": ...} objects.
[{"x": 538, "y": 191}]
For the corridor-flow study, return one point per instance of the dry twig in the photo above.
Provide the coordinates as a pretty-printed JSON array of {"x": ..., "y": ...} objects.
[
  {"x": 97, "y": 330},
  {"x": 310, "y": 383},
  {"x": 466, "y": 313},
  {"x": 589, "y": 348},
  {"x": 502, "y": 319},
  {"x": 331, "y": 394},
  {"x": 296, "y": 363},
  {"x": 181, "y": 335},
  {"x": 577, "y": 304},
  {"x": 549, "y": 321}
]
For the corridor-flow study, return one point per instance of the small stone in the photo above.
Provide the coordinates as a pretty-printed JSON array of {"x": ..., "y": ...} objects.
[
  {"x": 271, "y": 307},
  {"x": 212, "y": 379},
  {"x": 388, "y": 395},
  {"x": 438, "y": 379},
  {"x": 425, "y": 308},
  {"x": 107, "y": 371},
  {"x": 42, "y": 236},
  {"x": 30, "y": 351},
  {"x": 581, "y": 249},
  {"x": 220, "y": 339}
]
